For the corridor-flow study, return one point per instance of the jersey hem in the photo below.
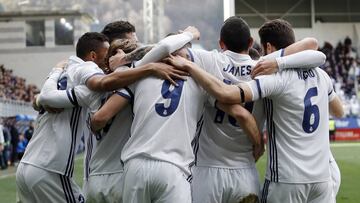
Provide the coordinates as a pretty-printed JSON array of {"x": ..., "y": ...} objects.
[
  {"x": 105, "y": 173},
  {"x": 226, "y": 167},
  {"x": 300, "y": 182},
  {"x": 43, "y": 168}
]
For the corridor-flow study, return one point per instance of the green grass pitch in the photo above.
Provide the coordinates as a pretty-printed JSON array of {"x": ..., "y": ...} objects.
[{"x": 347, "y": 156}]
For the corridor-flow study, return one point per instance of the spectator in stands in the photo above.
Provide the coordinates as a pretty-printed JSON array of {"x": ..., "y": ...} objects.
[
  {"x": 14, "y": 139},
  {"x": 342, "y": 65},
  {"x": 3, "y": 165},
  {"x": 21, "y": 146},
  {"x": 14, "y": 87},
  {"x": 29, "y": 132},
  {"x": 7, "y": 147}
]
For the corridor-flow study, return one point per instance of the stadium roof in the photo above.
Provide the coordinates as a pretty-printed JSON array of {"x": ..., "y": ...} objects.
[{"x": 18, "y": 15}]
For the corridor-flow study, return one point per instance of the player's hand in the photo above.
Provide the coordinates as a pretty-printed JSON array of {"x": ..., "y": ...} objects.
[
  {"x": 168, "y": 72},
  {"x": 265, "y": 67},
  {"x": 194, "y": 31},
  {"x": 62, "y": 64},
  {"x": 35, "y": 105},
  {"x": 258, "y": 151},
  {"x": 119, "y": 59},
  {"x": 178, "y": 62},
  {"x": 53, "y": 110}
]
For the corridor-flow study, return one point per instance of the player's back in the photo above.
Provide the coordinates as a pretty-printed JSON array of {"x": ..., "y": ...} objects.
[
  {"x": 165, "y": 119},
  {"x": 57, "y": 136},
  {"x": 297, "y": 117},
  {"x": 105, "y": 157},
  {"x": 222, "y": 143}
]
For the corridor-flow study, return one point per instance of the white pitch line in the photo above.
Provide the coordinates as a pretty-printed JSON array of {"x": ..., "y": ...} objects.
[
  {"x": 7, "y": 175},
  {"x": 13, "y": 174},
  {"x": 347, "y": 144},
  {"x": 336, "y": 144}
]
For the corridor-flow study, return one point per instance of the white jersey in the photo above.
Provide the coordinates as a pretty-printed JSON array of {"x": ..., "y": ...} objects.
[
  {"x": 221, "y": 142},
  {"x": 296, "y": 105},
  {"x": 165, "y": 120},
  {"x": 57, "y": 136},
  {"x": 105, "y": 158}
]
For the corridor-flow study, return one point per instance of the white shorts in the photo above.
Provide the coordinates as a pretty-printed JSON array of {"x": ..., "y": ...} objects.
[
  {"x": 104, "y": 188},
  {"x": 153, "y": 181},
  {"x": 38, "y": 185},
  {"x": 296, "y": 193},
  {"x": 220, "y": 185},
  {"x": 335, "y": 178}
]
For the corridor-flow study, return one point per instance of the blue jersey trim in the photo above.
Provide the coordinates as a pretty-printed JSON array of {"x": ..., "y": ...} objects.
[
  {"x": 124, "y": 95},
  {"x": 258, "y": 87},
  {"x": 282, "y": 52},
  {"x": 93, "y": 76},
  {"x": 330, "y": 92},
  {"x": 191, "y": 55}
]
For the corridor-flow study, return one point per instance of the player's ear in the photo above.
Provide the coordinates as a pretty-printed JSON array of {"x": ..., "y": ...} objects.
[
  {"x": 93, "y": 55},
  {"x": 251, "y": 42},
  {"x": 268, "y": 48},
  {"x": 222, "y": 44}
]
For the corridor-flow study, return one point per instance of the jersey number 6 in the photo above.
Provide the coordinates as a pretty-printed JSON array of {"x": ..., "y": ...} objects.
[{"x": 311, "y": 114}]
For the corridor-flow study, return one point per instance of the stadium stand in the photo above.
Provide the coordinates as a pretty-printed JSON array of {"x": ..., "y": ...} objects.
[
  {"x": 14, "y": 87},
  {"x": 342, "y": 65}
]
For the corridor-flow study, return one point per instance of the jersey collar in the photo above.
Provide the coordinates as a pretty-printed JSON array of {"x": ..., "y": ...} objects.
[
  {"x": 75, "y": 60},
  {"x": 237, "y": 56}
]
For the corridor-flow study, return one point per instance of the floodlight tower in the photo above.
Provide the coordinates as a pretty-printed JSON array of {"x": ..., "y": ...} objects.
[{"x": 152, "y": 17}]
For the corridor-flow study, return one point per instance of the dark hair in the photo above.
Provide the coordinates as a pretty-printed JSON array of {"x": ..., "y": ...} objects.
[
  {"x": 254, "y": 54},
  {"x": 278, "y": 33},
  {"x": 90, "y": 41},
  {"x": 117, "y": 30},
  {"x": 235, "y": 34}
]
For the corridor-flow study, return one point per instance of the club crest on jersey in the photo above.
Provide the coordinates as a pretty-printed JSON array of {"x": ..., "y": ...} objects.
[{"x": 238, "y": 71}]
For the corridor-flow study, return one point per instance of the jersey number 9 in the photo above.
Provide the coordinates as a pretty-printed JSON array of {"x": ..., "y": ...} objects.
[{"x": 173, "y": 95}]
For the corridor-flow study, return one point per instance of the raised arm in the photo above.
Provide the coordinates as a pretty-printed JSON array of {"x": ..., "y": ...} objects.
[
  {"x": 169, "y": 45},
  {"x": 303, "y": 55},
  {"x": 51, "y": 96},
  {"x": 146, "y": 67}
]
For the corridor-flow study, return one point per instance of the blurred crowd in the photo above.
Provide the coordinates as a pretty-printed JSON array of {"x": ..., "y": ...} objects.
[
  {"x": 13, "y": 142},
  {"x": 14, "y": 87},
  {"x": 343, "y": 66}
]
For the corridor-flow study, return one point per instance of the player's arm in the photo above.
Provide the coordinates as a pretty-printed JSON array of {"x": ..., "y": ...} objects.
[
  {"x": 119, "y": 79},
  {"x": 50, "y": 96},
  {"x": 247, "y": 123},
  {"x": 228, "y": 94},
  {"x": 146, "y": 67},
  {"x": 55, "y": 100},
  {"x": 303, "y": 59},
  {"x": 309, "y": 59},
  {"x": 111, "y": 107},
  {"x": 336, "y": 108}
]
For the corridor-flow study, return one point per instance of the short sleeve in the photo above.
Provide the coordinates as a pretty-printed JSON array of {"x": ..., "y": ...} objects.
[
  {"x": 86, "y": 71},
  {"x": 330, "y": 88},
  {"x": 126, "y": 93},
  {"x": 259, "y": 113},
  {"x": 274, "y": 55},
  {"x": 84, "y": 97},
  {"x": 266, "y": 86},
  {"x": 206, "y": 60}
]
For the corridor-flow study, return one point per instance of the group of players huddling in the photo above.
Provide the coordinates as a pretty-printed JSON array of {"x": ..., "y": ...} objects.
[{"x": 168, "y": 123}]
